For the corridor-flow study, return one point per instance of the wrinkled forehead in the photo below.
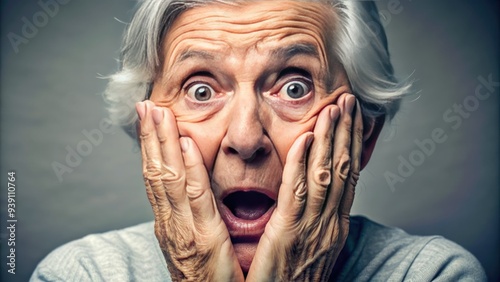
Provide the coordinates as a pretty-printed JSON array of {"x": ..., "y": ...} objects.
[{"x": 249, "y": 26}]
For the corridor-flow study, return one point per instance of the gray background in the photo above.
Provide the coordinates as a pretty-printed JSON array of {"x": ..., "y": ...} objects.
[{"x": 50, "y": 93}]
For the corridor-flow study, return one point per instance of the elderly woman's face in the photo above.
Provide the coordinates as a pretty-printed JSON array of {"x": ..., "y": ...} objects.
[{"x": 244, "y": 82}]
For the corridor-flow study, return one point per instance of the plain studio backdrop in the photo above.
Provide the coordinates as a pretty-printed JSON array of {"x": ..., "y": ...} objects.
[{"x": 434, "y": 171}]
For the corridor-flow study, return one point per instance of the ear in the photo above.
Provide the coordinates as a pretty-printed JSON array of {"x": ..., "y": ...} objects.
[{"x": 371, "y": 130}]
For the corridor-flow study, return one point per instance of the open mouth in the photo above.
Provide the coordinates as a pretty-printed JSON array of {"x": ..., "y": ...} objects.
[
  {"x": 246, "y": 212},
  {"x": 248, "y": 205}
]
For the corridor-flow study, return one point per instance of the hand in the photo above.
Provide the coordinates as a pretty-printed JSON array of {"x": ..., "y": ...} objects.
[
  {"x": 192, "y": 236},
  {"x": 310, "y": 224}
]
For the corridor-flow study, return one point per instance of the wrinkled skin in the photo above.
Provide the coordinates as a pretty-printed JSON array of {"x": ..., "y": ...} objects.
[{"x": 221, "y": 118}]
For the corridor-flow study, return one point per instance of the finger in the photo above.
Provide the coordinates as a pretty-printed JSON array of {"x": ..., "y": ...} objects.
[
  {"x": 293, "y": 191},
  {"x": 356, "y": 150},
  {"x": 200, "y": 196},
  {"x": 141, "y": 111},
  {"x": 172, "y": 165},
  {"x": 319, "y": 162},
  {"x": 341, "y": 153},
  {"x": 151, "y": 162}
]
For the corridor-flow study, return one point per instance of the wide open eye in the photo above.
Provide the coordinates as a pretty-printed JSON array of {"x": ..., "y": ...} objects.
[
  {"x": 200, "y": 92},
  {"x": 294, "y": 90}
]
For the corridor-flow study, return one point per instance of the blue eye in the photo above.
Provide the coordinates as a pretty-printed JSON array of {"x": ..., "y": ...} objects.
[
  {"x": 294, "y": 90},
  {"x": 200, "y": 92}
]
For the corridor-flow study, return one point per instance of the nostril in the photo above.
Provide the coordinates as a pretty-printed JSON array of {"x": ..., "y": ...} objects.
[
  {"x": 260, "y": 151},
  {"x": 232, "y": 151},
  {"x": 256, "y": 155}
]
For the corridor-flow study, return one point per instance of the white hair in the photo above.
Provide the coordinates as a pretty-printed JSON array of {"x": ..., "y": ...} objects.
[{"x": 360, "y": 46}]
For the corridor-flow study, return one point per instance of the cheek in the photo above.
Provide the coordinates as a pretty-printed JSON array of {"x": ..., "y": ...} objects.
[
  {"x": 207, "y": 137},
  {"x": 283, "y": 134}
]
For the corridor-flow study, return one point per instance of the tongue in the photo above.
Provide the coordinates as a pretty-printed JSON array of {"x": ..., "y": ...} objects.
[
  {"x": 250, "y": 212},
  {"x": 248, "y": 205}
]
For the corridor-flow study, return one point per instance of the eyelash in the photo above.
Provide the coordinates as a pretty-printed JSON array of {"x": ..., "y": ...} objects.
[
  {"x": 205, "y": 74},
  {"x": 200, "y": 77},
  {"x": 295, "y": 70},
  {"x": 293, "y": 74}
]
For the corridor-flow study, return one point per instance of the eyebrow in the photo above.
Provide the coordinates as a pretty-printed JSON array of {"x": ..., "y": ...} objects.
[
  {"x": 288, "y": 52},
  {"x": 188, "y": 54},
  {"x": 283, "y": 53}
]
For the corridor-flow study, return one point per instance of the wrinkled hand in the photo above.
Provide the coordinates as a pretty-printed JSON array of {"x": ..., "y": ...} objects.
[
  {"x": 310, "y": 224},
  {"x": 193, "y": 237}
]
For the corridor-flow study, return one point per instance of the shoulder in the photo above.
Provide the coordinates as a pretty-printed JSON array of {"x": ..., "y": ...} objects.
[
  {"x": 446, "y": 261},
  {"x": 377, "y": 252},
  {"x": 122, "y": 255}
]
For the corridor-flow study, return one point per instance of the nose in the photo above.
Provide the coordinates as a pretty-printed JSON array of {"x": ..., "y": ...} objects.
[{"x": 246, "y": 136}]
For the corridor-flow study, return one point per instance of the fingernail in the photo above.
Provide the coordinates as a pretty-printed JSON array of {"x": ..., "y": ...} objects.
[
  {"x": 184, "y": 144},
  {"x": 157, "y": 115},
  {"x": 341, "y": 103},
  {"x": 334, "y": 113},
  {"x": 140, "y": 107},
  {"x": 349, "y": 103}
]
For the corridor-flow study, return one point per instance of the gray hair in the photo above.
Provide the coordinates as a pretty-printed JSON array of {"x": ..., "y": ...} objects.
[{"x": 360, "y": 46}]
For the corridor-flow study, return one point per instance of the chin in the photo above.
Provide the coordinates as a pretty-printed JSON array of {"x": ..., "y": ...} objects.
[{"x": 245, "y": 253}]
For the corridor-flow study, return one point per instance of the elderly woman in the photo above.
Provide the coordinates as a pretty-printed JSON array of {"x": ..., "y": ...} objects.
[{"x": 255, "y": 119}]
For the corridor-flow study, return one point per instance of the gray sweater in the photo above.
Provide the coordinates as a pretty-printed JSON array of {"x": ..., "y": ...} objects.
[{"x": 372, "y": 253}]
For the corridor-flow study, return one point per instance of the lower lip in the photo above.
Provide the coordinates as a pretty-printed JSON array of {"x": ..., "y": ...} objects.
[{"x": 243, "y": 230}]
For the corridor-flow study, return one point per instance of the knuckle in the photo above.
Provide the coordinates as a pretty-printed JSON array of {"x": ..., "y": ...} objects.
[
  {"x": 170, "y": 175},
  {"x": 162, "y": 138},
  {"x": 151, "y": 174},
  {"x": 322, "y": 177},
  {"x": 195, "y": 191},
  {"x": 145, "y": 134},
  {"x": 354, "y": 178},
  {"x": 152, "y": 167},
  {"x": 300, "y": 191},
  {"x": 343, "y": 166}
]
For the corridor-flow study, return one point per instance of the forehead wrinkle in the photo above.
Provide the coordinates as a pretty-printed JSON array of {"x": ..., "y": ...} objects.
[
  {"x": 261, "y": 13},
  {"x": 271, "y": 27},
  {"x": 264, "y": 25},
  {"x": 257, "y": 23},
  {"x": 252, "y": 18}
]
